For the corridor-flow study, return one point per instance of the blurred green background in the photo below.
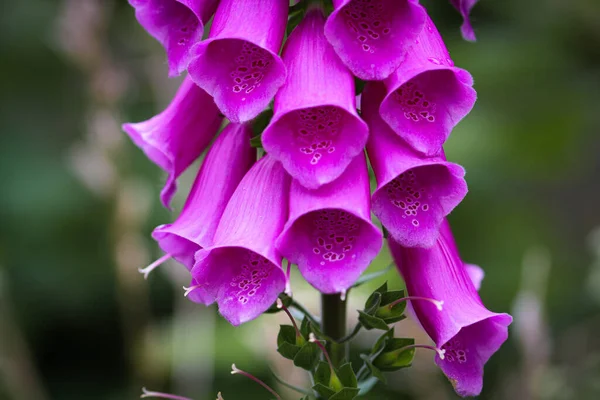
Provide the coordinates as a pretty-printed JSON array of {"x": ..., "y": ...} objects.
[{"x": 78, "y": 202}]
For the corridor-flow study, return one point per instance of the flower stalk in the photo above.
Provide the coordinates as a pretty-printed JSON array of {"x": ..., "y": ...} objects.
[{"x": 333, "y": 315}]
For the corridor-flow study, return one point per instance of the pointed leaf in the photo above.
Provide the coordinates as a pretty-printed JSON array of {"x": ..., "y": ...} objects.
[
  {"x": 308, "y": 356},
  {"x": 347, "y": 376},
  {"x": 390, "y": 297},
  {"x": 322, "y": 373},
  {"x": 370, "y": 322},
  {"x": 288, "y": 350},
  {"x": 373, "y": 303},
  {"x": 323, "y": 390},
  {"x": 395, "y": 355},
  {"x": 286, "y": 334}
]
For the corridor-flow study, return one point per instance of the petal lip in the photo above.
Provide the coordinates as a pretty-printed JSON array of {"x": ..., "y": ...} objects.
[
  {"x": 203, "y": 273},
  {"x": 427, "y": 96},
  {"x": 258, "y": 25},
  {"x": 346, "y": 275},
  {"x": 368, "y": 63},
  {"x": 177, "y": 25},
  {"x": 242, "y": 111},
  {"x": 311, "y": 177},
  {"x": 329, "y": 234}
]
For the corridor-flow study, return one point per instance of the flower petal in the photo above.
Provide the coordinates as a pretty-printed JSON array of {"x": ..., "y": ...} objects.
[
  {"x": 372, "y": 38},
  {"x": 315, "y": 131},
  {"x": 464, "y": 8},
  {"x": 238, "y": 64},
  {"x": 242, "y": 269},
  {"x": 427, "y": 96},
  {"x": 224, "y": 166},
  {"x": 177, "y": 136},
  {"x": 414, "y": 193},
  {"x": 468, "y": 332},
  {"x": 329, "y": 234},
  {"x": 177, "y": 25}
]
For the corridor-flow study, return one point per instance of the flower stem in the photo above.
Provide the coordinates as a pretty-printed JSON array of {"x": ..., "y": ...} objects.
[{"x": 333, "y": 325}]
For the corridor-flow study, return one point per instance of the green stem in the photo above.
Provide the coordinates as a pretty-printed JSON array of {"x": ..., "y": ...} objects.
[
  {"x": 290, "y": 386},
  {"x": 333, "y": 325},
  {"x": 351, "y": 336},
  {"x": 307, "y": 313}
]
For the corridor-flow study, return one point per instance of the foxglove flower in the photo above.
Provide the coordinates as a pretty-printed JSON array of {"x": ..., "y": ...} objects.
[
  {"x": 371, "y": 37},
  {"x": 238, "y": 63},
  {"x": 414, "y": 193},
  {"x": 226, "y": 163},
  {"x": 464, "y": 8},
  {"x": 468, "y": 332},
  {"x": 176, "y": 24},
  {"x": 315, "y": 131},
  {"x": 329, "y": 234},
  {"x": 177, "y": 136},
  {"x": 242, "y": 268},
  {"x": 427, "y": 95}
]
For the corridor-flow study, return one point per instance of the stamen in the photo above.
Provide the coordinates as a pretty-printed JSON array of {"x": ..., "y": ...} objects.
[
  {"x": 146, "y": 271},
  {"x": 235, "y": 370},
  {"x": 313, "y": 339},
  {"x": 281, "y": 306},
  {"x": 159, "y": 395},
  {"x": 190, "y": 289},
  {"x": 343, "y": 295},
  {"x": 219, "y": 397},
  {"x": 440, "y": 352},
  {"x": 438, "y": 303}
]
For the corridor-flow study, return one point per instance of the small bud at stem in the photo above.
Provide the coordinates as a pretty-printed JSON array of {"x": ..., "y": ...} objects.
[
  {"x": 235, "y": 370},
  {"x": 146, "y": 271},
  {"x": 159, "y": 395},
  {"x": 438, "y": 303}
]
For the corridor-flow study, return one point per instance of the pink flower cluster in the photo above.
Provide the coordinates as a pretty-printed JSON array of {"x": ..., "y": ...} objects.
[{"x": 309, "y": 199}]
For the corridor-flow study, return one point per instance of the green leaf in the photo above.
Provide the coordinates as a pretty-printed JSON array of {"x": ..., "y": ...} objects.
[
  {"x": 322, "y": 373},
  {"x": 359, "y": 85},
  {"x": 305, "y": 328},
  {"x": 260, "y": 123},
  {"x": 324, "y": 391},
  {"x": 371, "y": 322},
  {"x": 372, "y": 303},
  {"x": 286, "y": 334},
  {"x": 395, "y": 355},
  {"x": 376, "y": 372},
  {"x": 308, "y": 356},
  {"x": 288, "y": 350},
  {"x": 347, "y": 376},
  {"x": 345, "y": 394},
  {"x": 389, "y": 297}
]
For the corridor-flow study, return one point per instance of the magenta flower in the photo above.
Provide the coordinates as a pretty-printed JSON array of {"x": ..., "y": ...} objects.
[
  {"x": 414, "y": 193},
  {"x": 427, "y": 95},
  {"x": 315, "y": 131},
  {"x": 467, "y": 331},
  {"x": 464, "y": 8},
  {"x": 372, "y": 37},
  {"x": 176, "y": 24},
  {"x": 330, "y": 235},
  {"x": 177, "y": 136},
  {"x": 226, "y": 163},
  {"x": 238, "y": 64},
  {"x": 242, "y": 268}
]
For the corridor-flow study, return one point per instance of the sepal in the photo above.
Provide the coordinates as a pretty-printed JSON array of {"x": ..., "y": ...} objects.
[{"x": 377, "y": 313}]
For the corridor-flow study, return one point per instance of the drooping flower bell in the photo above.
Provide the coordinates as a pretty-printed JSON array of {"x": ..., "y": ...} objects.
[
  {"x": 330, "y": 235},
  {"x": 224, "y": 166},
  {"x": 315, "y": 131},
  {"x": 239, "y": 64},
  {"x": 176, "y": 24},
  {"x": 177, "y": 136},
  {"x": 242, "y": 269},
  {"x": 371, "y": 37},
  {"x": 468, "y": 332},
  {"x": 414, "y": 193},
  {"x": 427, "y": 95},
  {"x": 464, "y": 8}
]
